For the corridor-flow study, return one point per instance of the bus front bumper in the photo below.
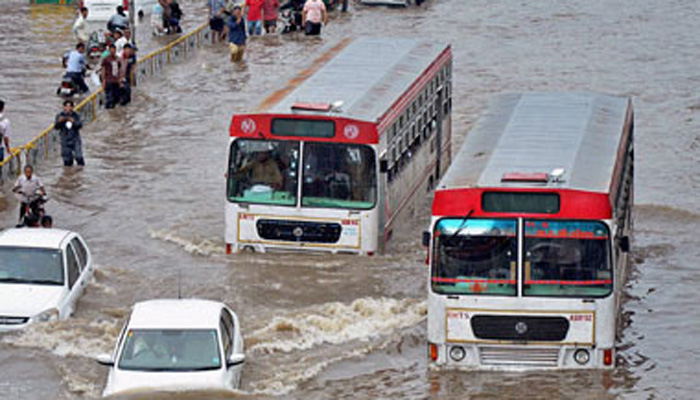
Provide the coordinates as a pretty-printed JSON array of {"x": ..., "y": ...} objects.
[{"x": 518, "y": 357}]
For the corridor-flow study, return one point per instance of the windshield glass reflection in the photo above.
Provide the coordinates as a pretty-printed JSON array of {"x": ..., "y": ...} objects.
[
  {"x": 170, "y": 350},
  {"x": 263, "y": 172},
  {"x": 339, "y": 176},
  {"x": 30, "y": 266}
]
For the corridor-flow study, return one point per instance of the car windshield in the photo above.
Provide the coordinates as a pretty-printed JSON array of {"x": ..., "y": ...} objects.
[
  {"x": 31, "y": 266},
  {"x": 475, "y": 256},
  {"x": 566, "y": 259},
  {"x": 170, "y": 350},
  {"x": 263, "y": 172},
  {"x": 339, "y": 176}
]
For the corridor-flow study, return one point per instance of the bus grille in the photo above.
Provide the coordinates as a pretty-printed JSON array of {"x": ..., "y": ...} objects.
[
  {"x": 510, "y": 356},
  {"x": 520, "y": 328},
  {"x": 299, "y": 231},
  {"x": 4, "y": 320}
]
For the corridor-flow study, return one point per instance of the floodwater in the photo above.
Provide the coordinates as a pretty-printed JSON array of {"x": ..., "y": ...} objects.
[{"x": 150, "y": 204}]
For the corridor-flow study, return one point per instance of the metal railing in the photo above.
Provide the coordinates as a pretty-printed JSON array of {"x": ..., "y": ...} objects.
[{"x": 46, "y": 143}]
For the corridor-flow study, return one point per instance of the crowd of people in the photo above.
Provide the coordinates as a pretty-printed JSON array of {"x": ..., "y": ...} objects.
[
  {"x": 116, "y": 56},
  {"x": 238, "y": 21}
]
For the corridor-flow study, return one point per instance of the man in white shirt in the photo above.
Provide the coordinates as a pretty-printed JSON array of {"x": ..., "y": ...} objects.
[
  {"x": 80, "y": 30},
  {"x": 4, "y": 132},
  {"x": 29, "y": 189},
  {"x": 120, "y": 42}
]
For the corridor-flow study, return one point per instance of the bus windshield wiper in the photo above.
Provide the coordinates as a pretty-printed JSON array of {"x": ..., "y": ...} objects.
[{"x": 461, "y": 227}]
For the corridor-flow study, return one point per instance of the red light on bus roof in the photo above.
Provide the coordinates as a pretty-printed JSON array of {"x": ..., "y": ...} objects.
[
  {"x": 542, "y": 177},
  {"x": 323, "y": 107}
]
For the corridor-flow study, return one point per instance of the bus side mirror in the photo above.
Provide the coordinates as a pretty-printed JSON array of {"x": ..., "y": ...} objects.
[
  {"x": 426, "y": 238},
  {"x": 383, "y": 166},
  {"x": 624, "y": 243}
]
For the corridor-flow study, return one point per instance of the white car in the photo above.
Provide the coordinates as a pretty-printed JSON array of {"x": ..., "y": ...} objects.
[
  {"x": 102, "y": 10},
  {"x": 176, "y": 345},
  {"x": 42, "y": 274}
]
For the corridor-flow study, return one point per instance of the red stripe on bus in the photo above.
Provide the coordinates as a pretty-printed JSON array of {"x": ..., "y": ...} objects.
[
  {"x": 575, "y": 204},
  {"x": 457, "y": 280},
  {"x": 414, "y": 90},
  {"x": 577, "y": 283}
]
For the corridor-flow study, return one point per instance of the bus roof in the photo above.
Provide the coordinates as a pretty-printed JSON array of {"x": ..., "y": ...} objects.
[
  {"x": 368, "y": 75},
  {"x": 528, "y": 135}
]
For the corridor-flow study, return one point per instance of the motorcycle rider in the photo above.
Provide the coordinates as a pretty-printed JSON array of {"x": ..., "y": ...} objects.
[
  {"x": 118, "y": 21},
  {"x": 29, "y": 190},
  {"x": 76, "y": 64}
]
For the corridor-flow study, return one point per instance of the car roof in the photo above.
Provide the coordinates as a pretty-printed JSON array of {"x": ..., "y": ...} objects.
[
  {"x": 33, "y": 237},
  {"x": 176, "y": 314}
]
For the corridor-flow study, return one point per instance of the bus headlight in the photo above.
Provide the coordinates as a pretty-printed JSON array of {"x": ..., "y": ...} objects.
[
  {"x": 582, "y": 356},
  {"x": 457, "y": 353}
]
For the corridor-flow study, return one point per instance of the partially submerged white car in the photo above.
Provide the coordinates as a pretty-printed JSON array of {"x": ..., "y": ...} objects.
[
  {"x": 176, "y": 345},
  {"x": 42, "y": 274}
]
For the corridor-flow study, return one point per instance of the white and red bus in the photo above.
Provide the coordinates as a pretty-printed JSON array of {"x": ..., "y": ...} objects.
[
  {"x": 529, "y": 237},
  {"x": 329, "y": 161}
]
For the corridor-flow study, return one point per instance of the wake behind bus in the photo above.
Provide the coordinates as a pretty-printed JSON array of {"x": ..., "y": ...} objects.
[
  {"x": 329, "y": 161},
  {"x": 529, "y": 237}
]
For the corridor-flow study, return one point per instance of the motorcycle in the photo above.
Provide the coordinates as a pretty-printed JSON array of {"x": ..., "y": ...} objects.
[
  {"x": 67, "y": 88},
  {"x": 96, "y": 46},
  {"x": 34, "y": 211}
]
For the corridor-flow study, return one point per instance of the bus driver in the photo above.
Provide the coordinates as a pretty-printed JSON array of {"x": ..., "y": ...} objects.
[{"x": 263, "y": 170}]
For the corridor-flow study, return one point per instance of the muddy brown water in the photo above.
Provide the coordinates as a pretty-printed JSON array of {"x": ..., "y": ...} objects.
[{"x": 150, "y": 204}]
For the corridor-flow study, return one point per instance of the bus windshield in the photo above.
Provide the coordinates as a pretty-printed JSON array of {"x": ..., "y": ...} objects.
[
  {"x": 566, "y": 259},
  {"x": 263, "y": 172},
  {"x": 339, "y": 176},
  {"x": 475, "y": 256}
]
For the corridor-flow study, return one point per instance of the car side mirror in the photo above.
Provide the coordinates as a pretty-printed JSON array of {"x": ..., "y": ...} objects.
[
  {"x": 235, "y": 359},
  {"x": 105, "y": 359},
  {"x": 383, "y": 166},
  {"x": 426, "y": 238},
  {"x": 624, "y": 243}
]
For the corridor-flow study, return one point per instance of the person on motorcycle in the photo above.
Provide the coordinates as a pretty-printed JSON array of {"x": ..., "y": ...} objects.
[
  {"x": 30, "y": 191},
  {"x": 76, "y": 64},
  {"x": 118, "y": 21}
]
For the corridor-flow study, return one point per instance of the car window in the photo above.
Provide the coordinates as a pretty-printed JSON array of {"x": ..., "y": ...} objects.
[
  {"x": 80, "y": 249},
  {"x": 73, "y": 268},
  {"x": 226, "y": 332}
]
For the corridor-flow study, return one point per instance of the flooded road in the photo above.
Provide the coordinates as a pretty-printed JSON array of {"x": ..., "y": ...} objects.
[{"x": 150, "y": 204}]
